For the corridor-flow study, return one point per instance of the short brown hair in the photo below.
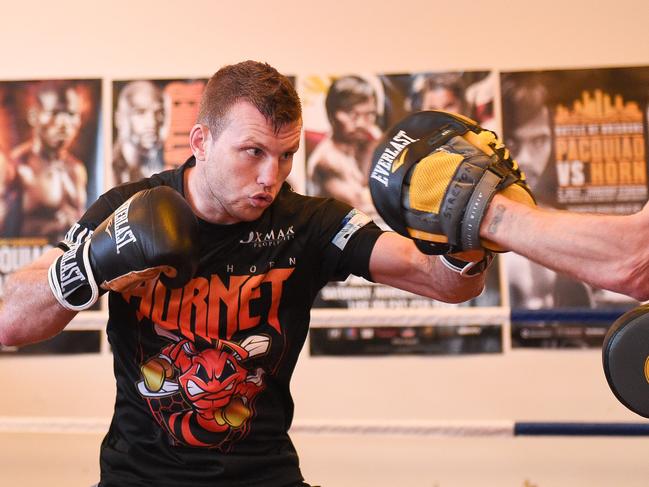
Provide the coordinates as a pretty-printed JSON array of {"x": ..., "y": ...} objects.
[
  {"x": 259, "y": 84},
  {"x": 347, "y": 92},
  {"x": 523, "y": 99}
]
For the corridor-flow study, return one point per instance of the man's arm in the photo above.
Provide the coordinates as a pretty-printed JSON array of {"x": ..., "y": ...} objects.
[
  {"x": 395, "y": 261},
  {"x": 78, "y": 195},
  {"x": 29, "y": 312},
  {"x": 605, "y": 251},
  {"x": 162, "y": 241}
]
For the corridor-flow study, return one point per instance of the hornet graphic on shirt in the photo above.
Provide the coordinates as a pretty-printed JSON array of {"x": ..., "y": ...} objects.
[{"x": 203, "y": 397}]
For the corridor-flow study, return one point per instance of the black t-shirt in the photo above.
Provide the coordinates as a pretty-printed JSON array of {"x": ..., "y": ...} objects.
[{"x": 203, "y": 372}]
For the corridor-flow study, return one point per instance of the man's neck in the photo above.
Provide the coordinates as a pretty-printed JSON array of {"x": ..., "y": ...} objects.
[{"x": 47, "y": 153}]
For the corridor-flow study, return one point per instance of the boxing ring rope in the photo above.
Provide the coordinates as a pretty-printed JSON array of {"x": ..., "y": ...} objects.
[
  {"x": 436, "y": 429},
  {"x": 574, "y": 315},
  {"x": 332, "y": 317},
  {"x": 476, "y": 429},
  {"x": 325, "y": 318},
  {"x": 459, "y": 315}
]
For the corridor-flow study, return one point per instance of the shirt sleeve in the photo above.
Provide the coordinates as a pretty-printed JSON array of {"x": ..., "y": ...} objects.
[{"x": 348, "y": 238}]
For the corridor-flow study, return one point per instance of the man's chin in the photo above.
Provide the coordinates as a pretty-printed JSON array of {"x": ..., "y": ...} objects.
[
  {"x": 149, "y": 143},
  {"x": 253, "y": 215},
  {"x": 57, "y": 145}
]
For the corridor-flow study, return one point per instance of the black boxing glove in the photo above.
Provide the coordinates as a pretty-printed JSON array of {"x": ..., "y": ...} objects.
[{"x": 154, "y": 232}]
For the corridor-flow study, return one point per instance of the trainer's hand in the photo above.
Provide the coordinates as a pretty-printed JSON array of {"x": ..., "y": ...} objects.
[
  {"x": 433, "y": 177},
  {"x": 155, "y": 232}
]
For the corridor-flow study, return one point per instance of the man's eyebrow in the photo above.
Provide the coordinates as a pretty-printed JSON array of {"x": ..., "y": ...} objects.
[
  {"x": 253, "y": 141},
  {"x": 257, "y": 143}
]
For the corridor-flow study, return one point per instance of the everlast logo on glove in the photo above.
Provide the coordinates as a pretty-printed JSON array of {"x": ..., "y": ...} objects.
[
  {"x": 70, "y": 280},
  {"x": 123, "y": 233},
  {"x": 163, "y": 231},
  {"x": 70, "y": 273},
  {"x": 395, "y": 146}
]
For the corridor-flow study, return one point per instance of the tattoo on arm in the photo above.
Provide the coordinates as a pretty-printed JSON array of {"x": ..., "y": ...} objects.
[{"x": 497, "y": 219}]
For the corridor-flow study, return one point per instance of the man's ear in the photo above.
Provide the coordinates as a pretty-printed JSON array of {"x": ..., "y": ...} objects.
[{"x": 199, "y": 138}]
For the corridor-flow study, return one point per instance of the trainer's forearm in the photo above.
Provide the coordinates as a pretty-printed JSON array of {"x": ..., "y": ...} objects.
[
  {"x": 395, "y": 261},
  {"x": 29, "y": 312},
  {"x": 606, "y": 251}
]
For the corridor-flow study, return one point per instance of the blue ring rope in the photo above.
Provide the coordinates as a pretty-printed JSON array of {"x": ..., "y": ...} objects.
[
  {"x": 582, "y": 315},
  {"x": 580, "y": 429}
]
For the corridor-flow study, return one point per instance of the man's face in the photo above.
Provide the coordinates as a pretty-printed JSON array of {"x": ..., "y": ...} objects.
[
  {"x": 145, "y": 119},
  {"x": 246, "y": 164},
  {"x": 58, "y": 118},
  {"x": 357, "y": 124},
  {"x": 531, "y": 145},
  {"x": 441, "y": 99}
]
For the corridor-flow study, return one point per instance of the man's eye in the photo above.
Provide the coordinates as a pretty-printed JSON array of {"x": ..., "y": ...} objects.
[
  {"x": 540, "y": 140},
  {"x": 254, "y": 151},
  {"x": 287, "y": 156}
]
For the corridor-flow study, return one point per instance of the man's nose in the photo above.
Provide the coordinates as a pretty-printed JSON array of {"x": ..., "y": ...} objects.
[
  {"x": 268, "y": 173},
  {"x": 525, "y": 156},
  {"x": 149, "y": 120}
]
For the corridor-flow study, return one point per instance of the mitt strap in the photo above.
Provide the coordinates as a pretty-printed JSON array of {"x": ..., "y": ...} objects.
[{"x": 476, "y": 208}]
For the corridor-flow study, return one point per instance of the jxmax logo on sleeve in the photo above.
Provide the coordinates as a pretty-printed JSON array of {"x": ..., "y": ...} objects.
[
  {"x": 269, "y": 239},
  {"x": 123, "y": 233}
]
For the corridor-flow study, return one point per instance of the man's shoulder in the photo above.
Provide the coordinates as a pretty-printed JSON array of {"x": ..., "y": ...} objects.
[
  {"x": 171, "y": 176},
  {"x": 289, "y": 201},
  {"x": 75, "y": 167},
  {"x": 287, "y": 195},
  {"x": 329, "y": 161},
  {"x": 20, "y": 153},
  {"x": 323, "y": 152}
]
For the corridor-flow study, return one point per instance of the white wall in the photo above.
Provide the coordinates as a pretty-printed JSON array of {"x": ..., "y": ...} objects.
[{"x": 126, "y": 39}]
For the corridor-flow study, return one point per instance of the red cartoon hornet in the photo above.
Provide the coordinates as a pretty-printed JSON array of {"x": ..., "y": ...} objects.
[{"x": 203, "y": 398}]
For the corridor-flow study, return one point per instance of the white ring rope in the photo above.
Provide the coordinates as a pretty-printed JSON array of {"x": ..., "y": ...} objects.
[{"x": 449, "y": 429}]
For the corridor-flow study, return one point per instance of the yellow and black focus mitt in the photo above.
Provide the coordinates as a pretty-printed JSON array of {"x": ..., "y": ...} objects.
[{"x": 433, "y": 176}]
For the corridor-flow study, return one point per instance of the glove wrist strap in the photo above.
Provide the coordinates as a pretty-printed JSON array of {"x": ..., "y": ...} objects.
[
  {"x": 71, "y": 279},
  {"x": 467, "y": 269}
]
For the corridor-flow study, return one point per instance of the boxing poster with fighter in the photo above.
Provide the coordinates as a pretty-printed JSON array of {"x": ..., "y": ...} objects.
[
  {"x": 580, "y": 137},
  {"x": 50, "y": 163},
  {"x": 344, "y": 118},
  {"x": 151, "y": 123},
  {"x": 51, "y": 168}
]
